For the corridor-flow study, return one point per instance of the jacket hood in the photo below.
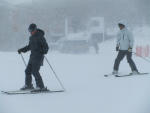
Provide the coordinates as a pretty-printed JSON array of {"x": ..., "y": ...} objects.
[{"x": 40, "y": 32}]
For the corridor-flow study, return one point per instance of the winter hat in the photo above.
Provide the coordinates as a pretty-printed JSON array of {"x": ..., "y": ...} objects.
[
  {"x": 32, "y": 27},
  {"x": 123, "y": 22}
]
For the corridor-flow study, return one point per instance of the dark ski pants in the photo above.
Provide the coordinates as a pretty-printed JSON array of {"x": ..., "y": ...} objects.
[
  {"x": 33, "y": 68},
  {"x": 121, "y": 55}
]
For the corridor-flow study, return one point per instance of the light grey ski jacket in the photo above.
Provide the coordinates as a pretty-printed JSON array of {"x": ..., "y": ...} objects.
[{"x": 125, "y": 39}]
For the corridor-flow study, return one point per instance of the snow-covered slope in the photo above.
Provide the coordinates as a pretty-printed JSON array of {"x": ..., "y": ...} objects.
[{"x": 88, "y": 91}]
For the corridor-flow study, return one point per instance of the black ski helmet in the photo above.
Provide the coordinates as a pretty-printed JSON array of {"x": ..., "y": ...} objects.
[{"x": 32, "y": 27}]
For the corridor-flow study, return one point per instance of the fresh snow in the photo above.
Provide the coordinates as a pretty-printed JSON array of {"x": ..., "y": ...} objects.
[{"x": 87, "y": 90}]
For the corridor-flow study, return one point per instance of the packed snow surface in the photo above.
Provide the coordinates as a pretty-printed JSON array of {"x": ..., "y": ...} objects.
[{"x": 87, "y": 90}]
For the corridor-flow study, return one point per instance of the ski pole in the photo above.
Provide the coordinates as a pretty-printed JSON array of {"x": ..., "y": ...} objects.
[
  {"x": 142, "y": 57},
  {"x": 55, "y": 73},
  {"x": 23, "y": 60}
]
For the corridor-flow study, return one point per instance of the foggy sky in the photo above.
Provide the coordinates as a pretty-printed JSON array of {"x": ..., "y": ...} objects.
[
  {"x": 132, "y": 10},
  {"x": 50, "y": 15}
]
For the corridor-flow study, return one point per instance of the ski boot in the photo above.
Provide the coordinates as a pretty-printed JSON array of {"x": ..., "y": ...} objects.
[
  {"x": 25, "y": 87},
  {"x": 134, "y": 73},
  {"x": 114, "y": 72},
  {"x": 40, "y": 89}
]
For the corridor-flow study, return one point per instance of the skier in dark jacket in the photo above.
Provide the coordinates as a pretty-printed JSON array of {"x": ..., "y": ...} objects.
[{"x": 38, "y": 47}]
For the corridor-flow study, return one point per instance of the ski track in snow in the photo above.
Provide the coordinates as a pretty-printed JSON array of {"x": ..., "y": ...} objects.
[{"x": 87, "y": 90}]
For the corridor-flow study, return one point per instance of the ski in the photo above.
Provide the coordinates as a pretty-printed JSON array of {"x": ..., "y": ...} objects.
[
  {"x": 107, "y": 75},
  {"x": 30, "y": 92},
  {"x": 130, "y": 74},
  {"x": 120, "y": 75}
]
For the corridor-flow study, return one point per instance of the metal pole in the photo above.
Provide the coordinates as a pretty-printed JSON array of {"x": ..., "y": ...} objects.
[
  {"x": 55, "y": 74},
  {"x": 23, "y": 60}
]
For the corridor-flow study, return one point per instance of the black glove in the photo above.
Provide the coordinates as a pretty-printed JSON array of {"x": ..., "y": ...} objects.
[
  {"x": 117, "y": 48},
  {"x": 130, "y": 49},
  {"x": 19, "y": 51}
]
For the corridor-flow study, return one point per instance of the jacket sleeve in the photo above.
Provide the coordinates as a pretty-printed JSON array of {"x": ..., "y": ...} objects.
[
  {"x": 44, "y": 45},
  {"x": 25, "y": 49},
  {"x": 131, "y": 39},
  {"x": 118, "y": 39}
]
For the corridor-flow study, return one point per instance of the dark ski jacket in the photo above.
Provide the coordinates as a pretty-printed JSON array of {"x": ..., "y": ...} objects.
[{"x": 37, "y": 45}]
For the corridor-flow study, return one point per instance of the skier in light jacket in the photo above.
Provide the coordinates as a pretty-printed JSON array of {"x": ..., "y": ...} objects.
[{"x": 124, "y": 46}]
